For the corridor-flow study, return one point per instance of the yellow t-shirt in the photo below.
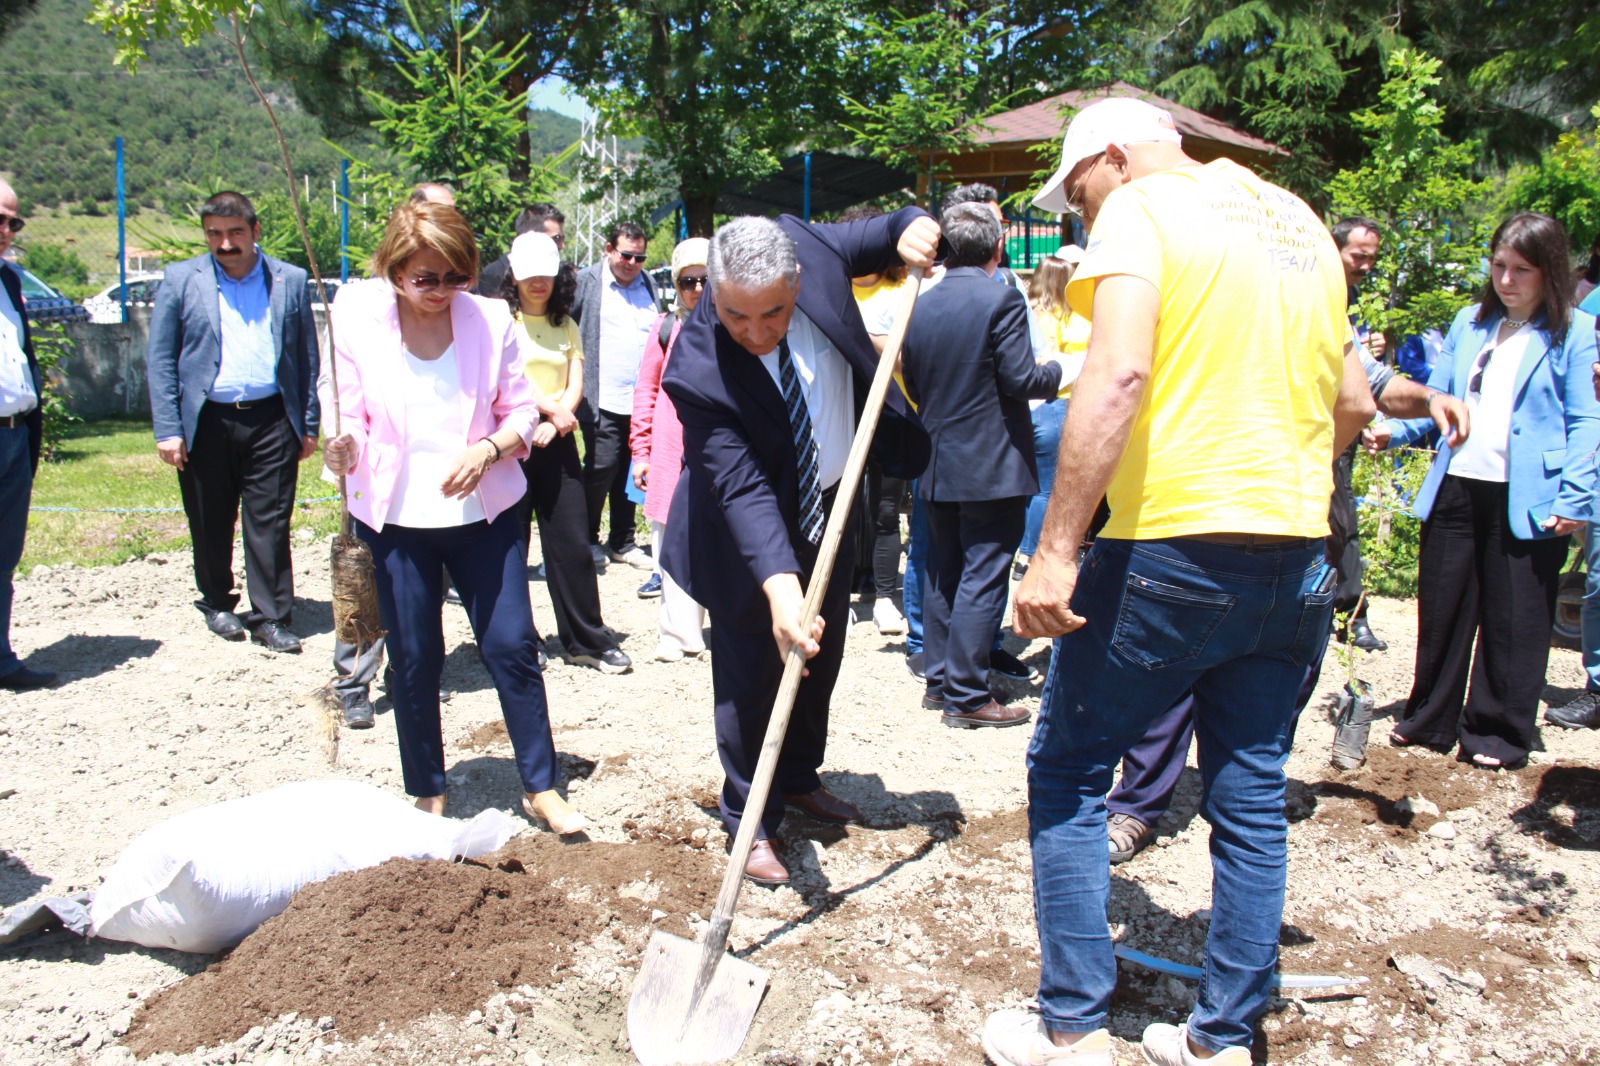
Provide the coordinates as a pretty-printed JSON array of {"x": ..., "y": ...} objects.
[
  {"x": 546, "y": 351},
  {"x": 1069, "y": 342},
  {"x": 1235, "y": 433}
]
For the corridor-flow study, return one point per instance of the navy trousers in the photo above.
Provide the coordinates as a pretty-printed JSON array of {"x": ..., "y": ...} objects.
[
  {"x": 486, "y": 563},
  {"x": 16, "y": 490},
  {"x": 970, "y": 548}
]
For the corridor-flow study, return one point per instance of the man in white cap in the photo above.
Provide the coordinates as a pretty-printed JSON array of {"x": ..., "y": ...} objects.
[{"x": 1217, "y": 389}]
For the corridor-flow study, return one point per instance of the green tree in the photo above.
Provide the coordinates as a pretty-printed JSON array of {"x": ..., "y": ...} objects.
[
  {"x": 61, "y": 267},
  {"x": 1564, "y": 184},
  {"x": 927, "y": 105},
  {"x": 1418, "y": 186},
  {"x": 719, "y": 90}
]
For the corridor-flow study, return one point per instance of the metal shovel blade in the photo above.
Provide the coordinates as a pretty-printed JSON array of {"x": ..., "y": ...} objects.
[{"x": 660, "y": 1027}]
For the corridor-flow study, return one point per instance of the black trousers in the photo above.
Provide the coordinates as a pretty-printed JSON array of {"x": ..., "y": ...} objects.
[
  {"x": 1475, "y": 581},
  {"x": 605, "y": 474},
  {"x": 880, "y": 544},
  {"x": 243, "y": 460},
  {"x": 1344, "y": 541},
  {"x": 556, "y": 497},
  {"x": 970, "y": 547},
  {"x": 745, "y": 672},
  {"x": 485, "y": 561}
]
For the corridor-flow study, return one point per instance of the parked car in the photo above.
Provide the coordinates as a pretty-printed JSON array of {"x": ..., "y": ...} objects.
[
  {"x": 105, "y": 308},
  {"x": 45, "y": 305}
]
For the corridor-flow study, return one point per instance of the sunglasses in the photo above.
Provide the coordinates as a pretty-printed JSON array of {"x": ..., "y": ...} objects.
[
  {"x": 633, "y": 257},
  {"x": 12, "y": 222},
  {"x": 687, "y": 283},
  {"x": 452, "y": 281},
  {"x": 1481, "y": 367}
]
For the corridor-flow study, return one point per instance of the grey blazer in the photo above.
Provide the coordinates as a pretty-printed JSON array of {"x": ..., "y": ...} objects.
[
  {"x": 586, "y": 313},
  {"x": 186, "y": 346}
]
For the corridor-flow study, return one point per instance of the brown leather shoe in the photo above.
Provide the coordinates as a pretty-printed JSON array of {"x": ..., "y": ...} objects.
[
  {"x": 992, "y": 715},
  {"x": 764, "y": 867},
  {"x": 824, "y": 806}
]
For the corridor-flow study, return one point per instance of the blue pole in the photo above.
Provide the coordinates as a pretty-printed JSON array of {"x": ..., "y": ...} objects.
[
  {"x": 122, "y": 234},
  {"x": 805, "y": 200},
  {"x": 344, "y": 221}
]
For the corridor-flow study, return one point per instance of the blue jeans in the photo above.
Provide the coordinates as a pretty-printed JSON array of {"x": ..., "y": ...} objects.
[
  {"x": 1047, "y": 419},
  {"x": 1591, "y": 605},
  {"x": 16, "y": 490},
  {"x": 1239, "y": 626}
]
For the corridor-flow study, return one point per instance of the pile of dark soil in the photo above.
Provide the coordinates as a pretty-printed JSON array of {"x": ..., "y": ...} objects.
[{"x": 396, "y": 942}]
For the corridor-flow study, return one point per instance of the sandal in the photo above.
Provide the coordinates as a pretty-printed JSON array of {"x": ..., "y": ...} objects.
[{"x": 1127, "y": 836}]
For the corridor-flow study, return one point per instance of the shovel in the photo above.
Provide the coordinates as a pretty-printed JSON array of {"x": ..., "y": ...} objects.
[{"x": 695, "y": 1002}]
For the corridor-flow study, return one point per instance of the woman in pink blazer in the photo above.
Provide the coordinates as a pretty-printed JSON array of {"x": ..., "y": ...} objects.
[
  {"x": 656, "y": 441},
  {"x": 434, "y": 412}
]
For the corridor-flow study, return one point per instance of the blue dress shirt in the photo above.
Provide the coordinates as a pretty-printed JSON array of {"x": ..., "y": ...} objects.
[{"x": 249, "y": 369}]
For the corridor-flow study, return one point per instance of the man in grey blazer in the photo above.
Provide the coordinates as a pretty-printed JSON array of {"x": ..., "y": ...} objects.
[
  {"x": 232, "y": 369},
  {"x": 616, "y": 309}
]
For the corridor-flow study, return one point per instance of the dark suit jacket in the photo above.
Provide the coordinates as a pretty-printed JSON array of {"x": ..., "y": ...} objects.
[
  {"x": 186, "y": 346},
  {"x": 35, "y": 418},
  {"x": 968, "y": 365},
  {"x": 586, "y": 313},
  {"x": 734, "y": 520}
]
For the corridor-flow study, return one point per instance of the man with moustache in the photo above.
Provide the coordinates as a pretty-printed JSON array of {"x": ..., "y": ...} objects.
[
  {"x": 21, "y": 431},
  {"x": 232, "y": 369}
]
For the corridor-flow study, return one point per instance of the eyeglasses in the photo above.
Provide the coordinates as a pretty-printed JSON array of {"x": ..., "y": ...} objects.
[
  {"x": 1075, "y": 194},
  {"x": 12, "y": 222},
  {"x": 452, "y": 281},
  {"x": 686, "y": 283},
  {"x": 633, "y": 257}
]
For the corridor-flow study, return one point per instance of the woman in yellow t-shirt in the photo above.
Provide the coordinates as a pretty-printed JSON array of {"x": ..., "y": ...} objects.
[
  {"x": 1066, "y": 340},
  {"x": 878, "y": 573},
  {"x": 541, "y": 290}
]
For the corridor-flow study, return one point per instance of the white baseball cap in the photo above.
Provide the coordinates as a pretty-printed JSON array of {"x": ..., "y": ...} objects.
[
  {"x": 1071, "y": 253},
  {"x": 534, "y": 255},
  {"x": 1119, "y": 120}
]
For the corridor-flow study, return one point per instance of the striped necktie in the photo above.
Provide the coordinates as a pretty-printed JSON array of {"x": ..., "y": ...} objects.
[{"x": 805, "y": 445}]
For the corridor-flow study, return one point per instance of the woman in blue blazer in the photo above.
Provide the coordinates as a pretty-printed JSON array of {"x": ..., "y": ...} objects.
[{"x": 1497, "y": 511}]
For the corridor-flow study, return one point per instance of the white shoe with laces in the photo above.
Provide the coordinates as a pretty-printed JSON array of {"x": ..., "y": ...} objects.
[
  {"x": 1168, "y": 1045},
  {"x": 1017, "y": 1037}
]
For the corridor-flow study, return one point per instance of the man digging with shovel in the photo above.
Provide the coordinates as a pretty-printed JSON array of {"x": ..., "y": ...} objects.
[{"x": 769, "y": 375}]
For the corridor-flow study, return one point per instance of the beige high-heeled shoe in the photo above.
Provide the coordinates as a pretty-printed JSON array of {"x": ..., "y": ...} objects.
[{"x": 548, "y": 807}]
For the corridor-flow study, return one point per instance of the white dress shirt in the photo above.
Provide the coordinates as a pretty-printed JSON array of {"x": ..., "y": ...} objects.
[
  {"x": 828, "y": 385},
  {"x": 17, "y": 396}
]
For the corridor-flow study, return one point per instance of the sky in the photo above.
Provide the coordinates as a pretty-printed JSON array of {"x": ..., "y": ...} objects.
[{"x": 551, "y": 93}]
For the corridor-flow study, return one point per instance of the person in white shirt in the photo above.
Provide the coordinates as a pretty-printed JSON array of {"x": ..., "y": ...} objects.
[{"x": 21, "y": 433}]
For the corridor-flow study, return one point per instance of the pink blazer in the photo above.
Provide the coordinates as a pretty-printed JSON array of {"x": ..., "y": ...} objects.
[
  {"x": 655, "y": 435},
  {"x": 494, "y": 393}
]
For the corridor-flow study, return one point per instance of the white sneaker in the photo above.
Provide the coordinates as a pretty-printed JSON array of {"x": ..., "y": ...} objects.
[
  {"x": 635, "y": 557},
  {"x": 668, "y": 652},
  {"x": 888, "y": 618},
  {"x": 1017, "y": 1037},
  {"x": 1168, "y": 1045}
]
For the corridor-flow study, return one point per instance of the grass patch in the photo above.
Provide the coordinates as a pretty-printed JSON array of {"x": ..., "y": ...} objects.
[{"x": 111, "y": 466}]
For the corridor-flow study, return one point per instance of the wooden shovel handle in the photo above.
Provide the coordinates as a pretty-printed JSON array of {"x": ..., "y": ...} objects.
[{"x": 828, "y": 550}]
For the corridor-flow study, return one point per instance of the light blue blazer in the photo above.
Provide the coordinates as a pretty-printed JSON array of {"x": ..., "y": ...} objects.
[{"x": 1555, "y": 422}]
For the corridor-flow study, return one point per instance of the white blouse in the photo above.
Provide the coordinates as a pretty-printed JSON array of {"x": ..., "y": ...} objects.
[
  {"x": 1483, "y": 456},
  {"x": 434, "y": 438}
]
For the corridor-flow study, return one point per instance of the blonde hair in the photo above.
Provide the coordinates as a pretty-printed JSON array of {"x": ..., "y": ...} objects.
[
  {"x": 1047, "y": 289},
  {"x": 416, "y": 225}
]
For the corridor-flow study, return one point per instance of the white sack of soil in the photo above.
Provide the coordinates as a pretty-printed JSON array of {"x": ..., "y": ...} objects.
[{"x": 204, "y": 880}]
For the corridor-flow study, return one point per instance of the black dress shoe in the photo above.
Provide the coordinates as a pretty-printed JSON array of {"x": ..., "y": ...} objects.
[
  {"x": 275, "y": 637},
  {"x": 914, "y": 664},
  {"x": 225, "y": 624},
  {"x": 24, "y": 678},
  {"x": 1362, "y": 636},
  {"x": 357, "y": 709},
  {"x": 1005, "y": 664},
  {"x": 1581, "y": 713}
]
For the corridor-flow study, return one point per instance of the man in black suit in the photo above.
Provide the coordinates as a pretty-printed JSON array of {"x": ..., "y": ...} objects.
[
  {"x": 21, "y": 433},
  {"x": 232, "y": 370},
  {"x": 777, "y": 354},
  {"x": 969, "y": 367}
]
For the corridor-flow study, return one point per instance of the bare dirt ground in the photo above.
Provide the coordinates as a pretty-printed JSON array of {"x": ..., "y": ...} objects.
[{"x": 1471, "y": 914}]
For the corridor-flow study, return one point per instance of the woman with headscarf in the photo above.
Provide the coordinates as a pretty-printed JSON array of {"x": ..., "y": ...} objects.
[
  {"x": 656, "y": 440},
  {"x": 434, "y": 409}
]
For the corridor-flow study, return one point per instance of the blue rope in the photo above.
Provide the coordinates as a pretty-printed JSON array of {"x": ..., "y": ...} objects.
[{"x": 150, "y": 510}]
